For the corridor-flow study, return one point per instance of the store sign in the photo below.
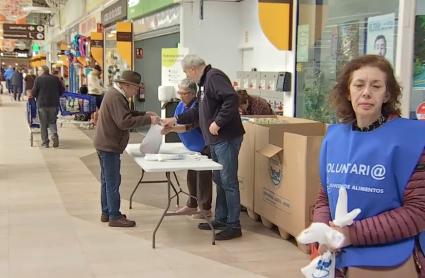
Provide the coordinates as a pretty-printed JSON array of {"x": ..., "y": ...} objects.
[
  {"x": 23, "y": 31},
  {"x": 139, "y": 8},
  {"x": 167, "y": 18},
  {"x": 420, "y": 111},
  {"x": 124, "y": 36},
  {"x": 96, "y": 43},
  {"x": 114, "y": 13}
]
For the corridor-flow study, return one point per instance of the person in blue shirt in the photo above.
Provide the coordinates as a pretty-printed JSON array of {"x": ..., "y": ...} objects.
[
  {"x": 8, "y": 76},
  {"x": 192, "y": 138}
]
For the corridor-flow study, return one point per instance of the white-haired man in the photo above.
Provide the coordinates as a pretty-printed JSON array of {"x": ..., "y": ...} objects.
[{"x": 220, "y": 122}]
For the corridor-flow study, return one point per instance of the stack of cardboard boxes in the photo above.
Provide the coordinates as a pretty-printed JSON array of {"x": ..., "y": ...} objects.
[{"x": 278, "y": 171}]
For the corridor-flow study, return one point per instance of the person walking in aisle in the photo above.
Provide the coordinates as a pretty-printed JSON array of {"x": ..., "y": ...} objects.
[
  {"x": 17, "y": 81},
  {"x": 47, "y": 91},
  {"x": 8, "y": 77},
  {"x": 29, "y": 83},
  {"x": 95, "y": 88}
]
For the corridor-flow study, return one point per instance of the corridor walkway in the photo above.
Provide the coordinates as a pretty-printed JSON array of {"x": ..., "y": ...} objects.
[{"x": 50, "y": 226}]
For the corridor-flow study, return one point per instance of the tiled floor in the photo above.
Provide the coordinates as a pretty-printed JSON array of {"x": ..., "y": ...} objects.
[{"x": 49, "y": 220}]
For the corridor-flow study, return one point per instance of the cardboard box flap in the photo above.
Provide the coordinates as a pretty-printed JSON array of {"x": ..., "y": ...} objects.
[{"x": 270, "y": 150}]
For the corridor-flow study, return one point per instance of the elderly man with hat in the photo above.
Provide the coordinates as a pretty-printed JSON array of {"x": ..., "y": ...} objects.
[{"x": 112, "y": 135}]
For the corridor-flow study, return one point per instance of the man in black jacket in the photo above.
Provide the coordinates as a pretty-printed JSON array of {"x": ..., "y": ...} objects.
[
  {"x": 218, "y": 117},
  {"x": 47, "y": 90}
]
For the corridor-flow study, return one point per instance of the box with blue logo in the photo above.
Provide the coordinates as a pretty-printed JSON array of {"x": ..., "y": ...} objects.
[{"x": 287, "y": 180}]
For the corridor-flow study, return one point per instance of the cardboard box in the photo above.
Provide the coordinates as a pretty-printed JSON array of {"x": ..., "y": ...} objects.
[
  {"x": 246, "y": 162},
  {"x": 287, "y": 172}
]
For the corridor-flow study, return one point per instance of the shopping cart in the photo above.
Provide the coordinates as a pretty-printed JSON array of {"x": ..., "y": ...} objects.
[
  {"x": 76, "y": 109},
  {"x": 32, "y": 119}
]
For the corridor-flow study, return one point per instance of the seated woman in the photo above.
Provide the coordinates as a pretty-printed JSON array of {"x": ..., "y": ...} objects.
[
  {"x": 253, "y": 105},
  {"x": 193, "y": 140},
  {"x": 379, "y": 158}
]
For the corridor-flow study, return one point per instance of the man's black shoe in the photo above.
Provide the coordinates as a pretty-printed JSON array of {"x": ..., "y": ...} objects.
[
  {"x": 228, "y": 233},
  {"x": 216, "y": 225}
]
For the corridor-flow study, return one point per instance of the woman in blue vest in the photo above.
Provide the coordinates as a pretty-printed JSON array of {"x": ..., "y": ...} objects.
[
  {"x": 380, "y": 159},
  {"x": 192, "y": 138}
]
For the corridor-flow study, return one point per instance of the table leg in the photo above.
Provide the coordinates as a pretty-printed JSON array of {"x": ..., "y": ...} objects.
[
  {"x": 166, "y": 209},
  {"x": 198, "y": 186},
  {"x": 175, "y": 190},
  {"x": 134, "y": 190},
  {"x": 180, "y": 190}
]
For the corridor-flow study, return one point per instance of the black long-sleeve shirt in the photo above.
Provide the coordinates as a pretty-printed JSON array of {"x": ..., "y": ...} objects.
[
  {"x": 218, "y": 102},
  {"x": 47, "y": 90}
]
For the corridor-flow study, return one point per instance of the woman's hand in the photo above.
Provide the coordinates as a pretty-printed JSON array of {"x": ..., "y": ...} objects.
[{"x": 345, "y": 231}]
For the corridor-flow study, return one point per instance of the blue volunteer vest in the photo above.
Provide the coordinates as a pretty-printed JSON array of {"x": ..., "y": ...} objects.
[
  {"x": 375, "y": 167},
  {"x": 192, "y": 139}
]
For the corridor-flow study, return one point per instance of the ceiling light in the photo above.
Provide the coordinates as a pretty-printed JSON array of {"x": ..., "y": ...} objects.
[{"x": 39, "y": 10}]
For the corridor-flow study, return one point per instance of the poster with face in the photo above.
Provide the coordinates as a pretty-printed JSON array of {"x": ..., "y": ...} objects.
[{"x": 380, "y": 36}]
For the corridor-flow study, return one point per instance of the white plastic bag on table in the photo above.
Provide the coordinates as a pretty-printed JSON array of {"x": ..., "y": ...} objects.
[{"x": 152, "y": 141}]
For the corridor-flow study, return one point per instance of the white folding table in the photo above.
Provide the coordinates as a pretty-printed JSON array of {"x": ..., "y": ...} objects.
[{"x": 189, "y": 162}]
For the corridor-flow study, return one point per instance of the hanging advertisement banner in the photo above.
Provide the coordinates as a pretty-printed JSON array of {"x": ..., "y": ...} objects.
[
  {"x": 89, "y": 25},
  {"x": 275, "y": 18},
  {"x": 96, "y": 47},
  {"x": 171, "y": 69},
  {"x": 380, "y": 36},
  {"x": 124, "y": 42}
]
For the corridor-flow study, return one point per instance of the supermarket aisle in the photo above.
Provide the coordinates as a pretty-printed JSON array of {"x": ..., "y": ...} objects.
[{"x": 49, "y": 221}]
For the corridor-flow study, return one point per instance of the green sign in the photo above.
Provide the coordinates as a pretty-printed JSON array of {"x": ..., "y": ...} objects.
[
  {"x": 139, "y": 8},
  {"x": 35, "y": 47}
]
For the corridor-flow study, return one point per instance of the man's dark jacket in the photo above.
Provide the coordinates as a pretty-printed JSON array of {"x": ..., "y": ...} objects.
[
  {"x": 218, "y": 102},
  {"x": 47, "y": 90}
]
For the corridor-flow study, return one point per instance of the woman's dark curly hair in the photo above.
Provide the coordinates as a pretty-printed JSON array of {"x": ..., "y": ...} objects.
[{"x": 339, "y": 94}]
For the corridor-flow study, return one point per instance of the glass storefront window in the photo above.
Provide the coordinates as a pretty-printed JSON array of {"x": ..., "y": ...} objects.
[
  {"x": 418, "y": 93},
  {"x": 331, "y": 33}
]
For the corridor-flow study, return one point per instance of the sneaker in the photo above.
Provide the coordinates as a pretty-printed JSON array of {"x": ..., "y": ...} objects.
[
  {"x": 105, "y": 217},
  {"x": 186, "y": 210},
  {"x": 55, "y": 140},
  {"x": 122, "y": 222},
  {"x": 228, "y": 233},
  {"x": 216, "y": 225},
  {"x": 200, "y": 214}
]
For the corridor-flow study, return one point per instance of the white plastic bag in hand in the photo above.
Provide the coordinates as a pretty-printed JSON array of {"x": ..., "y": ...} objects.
[
  {"x": 324, "y": 266},
  {"x": 152, "y": 141},
  {"x": 321, "y": 267}
]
